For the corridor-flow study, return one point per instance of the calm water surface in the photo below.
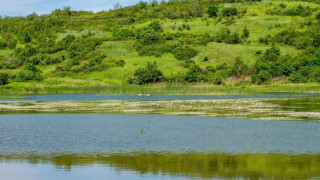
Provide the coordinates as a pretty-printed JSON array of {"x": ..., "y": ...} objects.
[{"x": 93, "y": 146}]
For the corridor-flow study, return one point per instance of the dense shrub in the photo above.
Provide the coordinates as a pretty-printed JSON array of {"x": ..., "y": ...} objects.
[
  {"x": 147, "y": 36},
  {"x": 4, "y": 79},
  {"x": 146, "y": 75},
  {"x": 213, "y": 11},
  {"x": 66, "y": 42},
  {"x": 155, "y": 25},
  {"x": 184, "y": 52},
  {"x": 297, "y": 78},
  {"x": 193, "y": 75},
  {"x": 239, "y": 68},
  {"x": 233, "y": 39},
  {"x": 218, "y": 78},
  {"x": 124, "y": 33},
  {"x": 229, "y": 11},
  {"x": 262, "y": 77},
  {"x": 245, "y": 33}
]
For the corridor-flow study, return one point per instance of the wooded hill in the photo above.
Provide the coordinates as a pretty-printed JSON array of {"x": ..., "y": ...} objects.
[{"x": 170, "y": 42}]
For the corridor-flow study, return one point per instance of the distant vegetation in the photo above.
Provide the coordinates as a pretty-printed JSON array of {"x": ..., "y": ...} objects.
[{"x": 172, "y": 42}]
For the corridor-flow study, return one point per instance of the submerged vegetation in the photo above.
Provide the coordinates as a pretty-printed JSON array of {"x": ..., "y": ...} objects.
[
  {"x": 168, "y": 42},
  {"x": 265, "y": 109}
]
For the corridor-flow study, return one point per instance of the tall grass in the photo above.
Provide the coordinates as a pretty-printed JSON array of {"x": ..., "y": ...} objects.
[{"x": 204, "y": 89}]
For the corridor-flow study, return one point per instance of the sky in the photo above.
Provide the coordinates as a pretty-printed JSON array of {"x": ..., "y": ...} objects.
[{"x": 25, "y": 7}]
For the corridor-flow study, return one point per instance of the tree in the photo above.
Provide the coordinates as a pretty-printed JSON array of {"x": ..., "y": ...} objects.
[
  {"x": 193, "y": 75},
  {"x": 4, "y": 79},
  {"x": 262, "y": 77},
  {"x": 213, "y": 11},
  {"x": 272, "y": 54},
  {"x": 148, "y": 74},
  {"x": 297, "y": 78}
]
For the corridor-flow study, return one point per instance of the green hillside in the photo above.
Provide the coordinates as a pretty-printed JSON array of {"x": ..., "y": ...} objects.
[{"x": 165, "y": 44}]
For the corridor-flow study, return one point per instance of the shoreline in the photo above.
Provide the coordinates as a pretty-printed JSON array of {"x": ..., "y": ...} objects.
[{"x": 192, "y": 89}]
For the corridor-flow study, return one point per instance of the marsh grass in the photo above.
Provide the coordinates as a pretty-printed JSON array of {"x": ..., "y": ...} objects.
[{"x": 237, "y": 108}]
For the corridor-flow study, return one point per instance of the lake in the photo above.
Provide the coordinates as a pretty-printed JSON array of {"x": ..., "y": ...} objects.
[
  {"x": 118, "y": 146},
  {"x": 155, "y": 97}
]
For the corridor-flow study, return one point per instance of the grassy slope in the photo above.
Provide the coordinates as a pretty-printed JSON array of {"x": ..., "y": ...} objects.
[{"x": 256, "y": 20}]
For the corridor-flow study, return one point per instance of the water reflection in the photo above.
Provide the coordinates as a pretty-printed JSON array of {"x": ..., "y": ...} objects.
[
  {"x": 191, "y": 164},
  {"x": 298, "y": 105}
]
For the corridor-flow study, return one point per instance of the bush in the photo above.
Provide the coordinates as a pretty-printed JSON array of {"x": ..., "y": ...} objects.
[
  {"x": 262, "y": 77},
  {"x": 218, "y": 78},
  {"x": 155, "y": 25},
  {"x": 233, "y": 39},
  {"x": 245, "y": 33},
  {"x": 213, "y": 11},
  {"x": 193, "y": 75},
  {"x": 184, "y": 52},
  {"x": 146, "y": 75},
  {"x": 124, "y": 33},
  {"x": 147, "y": 36},
  {"x": 24, "y": 76},
  {"x": 297, "y": 78},
  {"x": 229, "y": 11},
  {"x": 239, "y": 68},
  {"x": 315, "y": 74},
  {"x": 272, "y": 54},
  {"x": 4, "y": 79}
]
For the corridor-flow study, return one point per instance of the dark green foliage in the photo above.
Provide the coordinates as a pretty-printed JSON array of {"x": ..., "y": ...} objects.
[
  {"x": 314, "y": 74},
  {"x": 146, "y": 75},
  {"x": 318, "y": 17},
  {"x": 233, "y": 39},
  {"x": 272, "y": 54},
  {"x": 2, "y": 44},
  {"x": 298, "y": 11},
  {"x": 262, "y": 77},
  {"x": 206, "y": 59},
  {"x": 193, "y": 75},
  {"x": 213, "y": 11},
  {"x": 147, "y": 36},
  {"x": 245, "y": 33},
  {"x": 239, "y": 68},
  {"x": 24, "y": 76},
  {"x": 25, "y": 37},
  {"x": 226, "y": 36},
  {"x": 229, "y": 11},
  {"x": 82, "y": 46},
  {"x": 153, "y": 49},
  {"x": 66, "y": 42},
  {"x": 184, "y": 52},
  {"x": 283, "y": 6},
  {"x": 218, "y": 78},
  {"x": 210, "y": 69},
  {"x": 316, "y": 39},
  {"x": 4, "y": 79},
  {"x": 155, "y": 25},
  {"x": 29, "y": 72},
  {"x": 297, "y": 78},
  {"x": 274, "y": 64},
  {"x": 124, "y": 33}
]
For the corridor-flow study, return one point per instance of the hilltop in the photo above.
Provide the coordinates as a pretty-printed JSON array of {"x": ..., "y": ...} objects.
[{"x": 175, "y": 43}]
